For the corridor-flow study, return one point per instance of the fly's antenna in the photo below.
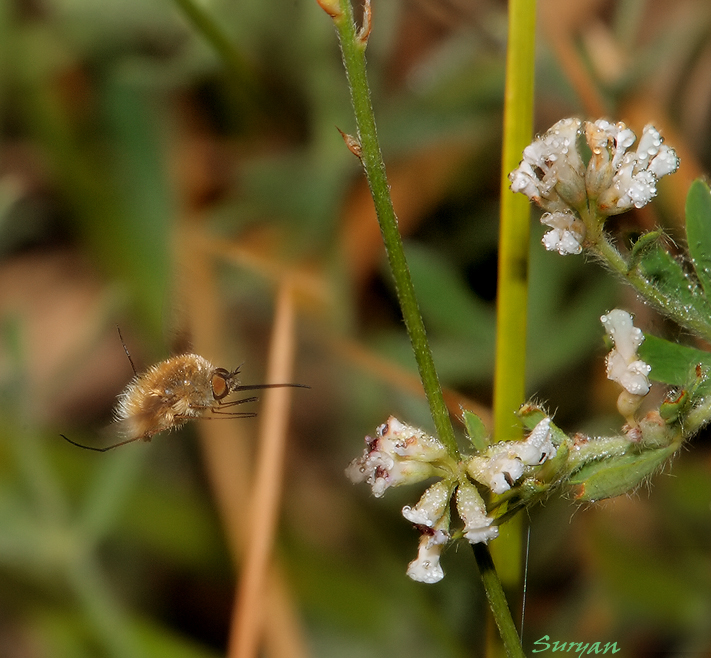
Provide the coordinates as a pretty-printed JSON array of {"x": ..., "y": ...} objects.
[
  {"x": 255, "y": 387},
  {"x": 95, "y": 449},
  {"x": 128, "y": 354}
]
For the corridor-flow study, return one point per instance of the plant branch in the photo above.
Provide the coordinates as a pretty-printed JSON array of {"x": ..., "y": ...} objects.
[
  {"x": 608, "y": 254},
  {"x": 353, "y": 49},
  {"x": 497, "y": 601}
]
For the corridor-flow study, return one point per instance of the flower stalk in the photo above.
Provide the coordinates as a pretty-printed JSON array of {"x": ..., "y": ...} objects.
[
  {"x": 367, "y": 148},
  {"x": 353, "y": 44}
]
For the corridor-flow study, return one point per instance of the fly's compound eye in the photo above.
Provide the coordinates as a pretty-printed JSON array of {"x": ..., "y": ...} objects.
[{"x": 220, "y": 387}]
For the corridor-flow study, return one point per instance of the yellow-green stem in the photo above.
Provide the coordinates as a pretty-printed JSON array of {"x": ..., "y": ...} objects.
[
  {"x": 512, "y": 287},
  {"x": 497, "y": 601},
  {"x": 509, "y": 376}
]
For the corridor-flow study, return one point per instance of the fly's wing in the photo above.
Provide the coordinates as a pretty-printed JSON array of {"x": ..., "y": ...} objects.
[{"x": 118, "y": 430}]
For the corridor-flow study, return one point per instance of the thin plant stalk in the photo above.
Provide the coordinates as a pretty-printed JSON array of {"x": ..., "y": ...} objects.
[
  {"x": 366, "y": 146},
  {"x": 353, "y": 46},
  {"x": 514, "y": 230},
  {"x": 242, "y": 79},
  {"x": 497, "y": 601},
  {"x": 265, "y": 503},
  {"x": 225, "y": 444},
  {"x": 512, "y": 283}
]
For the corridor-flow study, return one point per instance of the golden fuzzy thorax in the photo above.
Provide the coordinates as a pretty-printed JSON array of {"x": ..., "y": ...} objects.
[{"x": 166, "y": 396}]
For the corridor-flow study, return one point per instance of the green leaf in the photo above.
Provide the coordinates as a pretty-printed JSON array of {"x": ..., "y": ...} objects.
[
  {"x": 672, "y": 363},
  {"x": 698, "y": 231},
  {"x": 618, "y": 475},
  {"x": 643, "y": 243},
  {"x": 476, "y": 430},
  {"x": 681, "y": 293}
]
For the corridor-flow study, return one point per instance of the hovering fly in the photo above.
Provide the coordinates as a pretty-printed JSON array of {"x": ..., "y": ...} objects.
[{"x": 173, "y": 392}]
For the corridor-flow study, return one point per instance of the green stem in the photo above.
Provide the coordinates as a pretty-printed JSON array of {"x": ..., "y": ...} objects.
[
  {"x": 512, "y": 283},
  {"x": 514, "y": 231},
  {"x": 497, "y": 601},
  {"x": 353, "y": 50},
  {"x": 606, "y": 251}
]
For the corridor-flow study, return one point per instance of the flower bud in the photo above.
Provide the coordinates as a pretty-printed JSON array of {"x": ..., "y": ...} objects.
[
  {"x": 608, "y": 143},
  {"x": 471, "y": 509},
  {"x": 432, "y": 507},
  {"x": 568, "y": 233},
  {"x": 623, "y": 365},
  {"x": 551, "y": 172},
  {"x": 426, "y": 568},
  {"x": 500, "y": 467},
  {"x": 634, "y": 183},
  {"x": 538, "y": 447}
]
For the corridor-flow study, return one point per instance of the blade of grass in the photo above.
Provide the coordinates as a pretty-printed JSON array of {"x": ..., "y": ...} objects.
[
  {"x": 241, "y": 75},
  {"x": 512, "y": 286}
]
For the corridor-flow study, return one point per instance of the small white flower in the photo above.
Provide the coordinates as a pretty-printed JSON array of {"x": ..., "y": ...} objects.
[
  {"x": 432, "y": 507},
  {"x": 568, "y": 233},
  {"x": 498, "y": 468},
  {"x": 471, "y": 509},
  {"x": 538, "y": 447},
  {"x": 634, "y": 183},
  {"x": 551, "y": 172},
  {"x": 623, "y": 364},
  {"x": 398, "y": 454},
  {"x": 426, "y": 567}
]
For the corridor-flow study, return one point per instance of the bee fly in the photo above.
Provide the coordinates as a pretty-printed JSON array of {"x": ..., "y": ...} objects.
[{"x": 173, "y": 392}]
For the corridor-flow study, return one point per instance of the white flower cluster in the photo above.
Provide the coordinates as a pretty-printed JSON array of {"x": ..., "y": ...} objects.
[
  {"x": 553, "y": 175},
  {"x": 621, "y": 179},
  {"x": 431, "y": 515},
  {"x": 398, "y": 454},
  {"x": 503, "y": 463},
  {"x": 402, "y": 454}
]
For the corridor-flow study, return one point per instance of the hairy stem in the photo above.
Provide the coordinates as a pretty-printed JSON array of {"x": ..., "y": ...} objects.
[
  {"x": 497, "y": 601},
  {"x": 353, "y": 50},
  {"x": 606, "y": 251}
]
